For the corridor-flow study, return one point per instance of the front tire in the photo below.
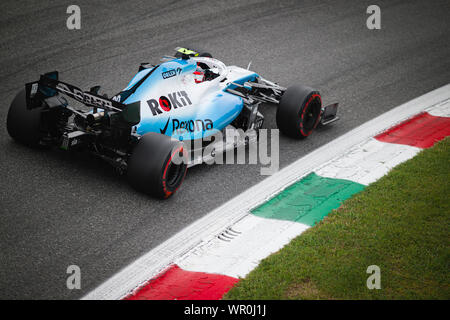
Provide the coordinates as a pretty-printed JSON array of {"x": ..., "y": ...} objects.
[
  {"x": 299, "y": 111},
  {"x": 151, "y": 167}
]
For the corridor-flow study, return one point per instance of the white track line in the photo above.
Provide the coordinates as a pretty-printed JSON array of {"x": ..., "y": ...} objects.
[
  {"x": 256, "y": 238},
  {"x": 441, "y": 110},
  {"x": 215, "y": 222},
  {"x": 367, "y": 162}
]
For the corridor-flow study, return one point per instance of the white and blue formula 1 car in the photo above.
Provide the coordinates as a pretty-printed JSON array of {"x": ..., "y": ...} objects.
[{"x": 188, "y": 97}]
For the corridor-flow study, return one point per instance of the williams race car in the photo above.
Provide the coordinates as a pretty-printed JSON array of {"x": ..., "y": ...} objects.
[{"x": 187, "y": 97}]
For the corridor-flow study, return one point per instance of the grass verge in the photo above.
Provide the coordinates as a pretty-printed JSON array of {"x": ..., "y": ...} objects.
[{"x": 399, "y": 223}]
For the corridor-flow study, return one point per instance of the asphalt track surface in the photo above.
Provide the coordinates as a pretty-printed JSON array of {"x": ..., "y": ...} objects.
[{"x": 59, "y": 209}]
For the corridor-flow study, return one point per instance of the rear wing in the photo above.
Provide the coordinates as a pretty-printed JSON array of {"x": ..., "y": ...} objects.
[{"x": 48, "y": 86}]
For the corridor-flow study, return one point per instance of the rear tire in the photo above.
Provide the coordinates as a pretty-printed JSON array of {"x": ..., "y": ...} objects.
[
  {"x": 24, "y": 125},
  {"x": 151, "y": 169},
  {"x": 299, "y": 111}
]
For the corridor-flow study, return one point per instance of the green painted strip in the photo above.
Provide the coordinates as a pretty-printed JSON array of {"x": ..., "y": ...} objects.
[{"x": 309, "y": 200}]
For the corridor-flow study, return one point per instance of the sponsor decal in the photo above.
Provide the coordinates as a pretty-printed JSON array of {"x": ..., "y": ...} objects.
[
  {"x": 163, "y": 130},
  {"x": 191, "y": 125},
  {"x": 169, "y": 74},
  {"x": 173, "y": 100},
  {"x": 84, "y": 97},
  {"x": 34, "y": 89},
  {"x": 165, "y": 103}
]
